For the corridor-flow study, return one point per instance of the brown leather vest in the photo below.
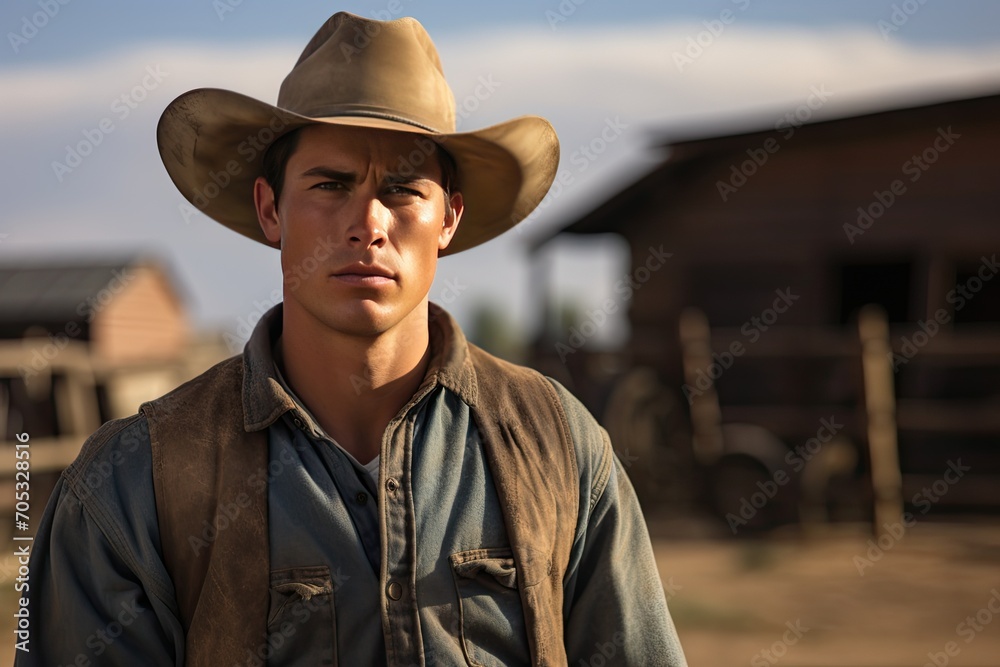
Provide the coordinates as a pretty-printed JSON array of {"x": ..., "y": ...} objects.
[{"x": 210, "y": 472}]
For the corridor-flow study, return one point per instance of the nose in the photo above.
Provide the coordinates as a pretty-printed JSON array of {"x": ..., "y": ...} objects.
[{"x": 369, "y": 225}]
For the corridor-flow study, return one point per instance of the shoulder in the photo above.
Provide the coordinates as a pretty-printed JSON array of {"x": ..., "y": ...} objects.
[
  {"x": 118, "y": 454},
  {"x": 108, "y": 491},
  {"x": 592, "y": 447},
  {"x": 111, "y": 482},
  {"x": 594, "y": 453},
  {"x": 117, "y": 450}
]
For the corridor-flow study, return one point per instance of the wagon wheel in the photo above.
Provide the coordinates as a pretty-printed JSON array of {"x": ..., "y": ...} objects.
[{"x": 644, "y": 422}]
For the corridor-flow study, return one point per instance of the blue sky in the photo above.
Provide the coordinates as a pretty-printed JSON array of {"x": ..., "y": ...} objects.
[
  {"x": 605, "y": 63},
  {"x": 84, "y": 28}
]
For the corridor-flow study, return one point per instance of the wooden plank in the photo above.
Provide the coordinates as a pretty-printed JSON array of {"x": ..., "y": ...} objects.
[
  {"x": 791, "y": 341},
  {"x": 706, "y": 418},
  {"x": 47, "y": 455},
  {"x": 794, "y": 420},
  {"x": 958, "y": 417},
  {"x": 880, "y": 404}
]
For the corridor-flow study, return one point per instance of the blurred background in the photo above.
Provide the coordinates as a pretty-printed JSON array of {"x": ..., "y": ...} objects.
[{"x": 766, "y": 266}]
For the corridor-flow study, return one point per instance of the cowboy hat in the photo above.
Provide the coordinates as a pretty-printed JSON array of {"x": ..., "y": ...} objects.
[{"x": 366, "y": 73}]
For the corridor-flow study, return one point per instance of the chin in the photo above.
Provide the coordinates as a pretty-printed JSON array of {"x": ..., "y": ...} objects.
[{"x": 366, "y": 317}]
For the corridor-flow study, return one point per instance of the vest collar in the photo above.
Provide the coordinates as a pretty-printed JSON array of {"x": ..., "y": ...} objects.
[{"x": 264, "y": 399}]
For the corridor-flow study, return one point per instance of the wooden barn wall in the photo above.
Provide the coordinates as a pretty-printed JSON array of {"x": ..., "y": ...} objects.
[
  {"x": 143, "y": 321},
  {"x": 785, "y": 226}
]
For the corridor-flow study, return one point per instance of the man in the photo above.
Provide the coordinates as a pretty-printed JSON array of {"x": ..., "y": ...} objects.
[{"x": 361, "y": 486}]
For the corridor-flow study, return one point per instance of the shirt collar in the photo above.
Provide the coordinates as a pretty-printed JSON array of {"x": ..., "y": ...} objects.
[{"x": 264, "y": 398}]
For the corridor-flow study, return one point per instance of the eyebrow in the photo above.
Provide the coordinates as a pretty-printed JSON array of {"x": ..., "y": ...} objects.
[
  {"x": 332, "y": 174},
  {"x": 350, "y": 177}
]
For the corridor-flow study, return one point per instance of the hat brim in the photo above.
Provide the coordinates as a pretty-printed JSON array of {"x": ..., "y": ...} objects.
[{"x": 212, "y": 143}]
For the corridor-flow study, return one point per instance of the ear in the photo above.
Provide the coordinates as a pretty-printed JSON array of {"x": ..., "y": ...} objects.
[
  {"x": 267, "y": 211},
  {"x": 450, "y": 225}
]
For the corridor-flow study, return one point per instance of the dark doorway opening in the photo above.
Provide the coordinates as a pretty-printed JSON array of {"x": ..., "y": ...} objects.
[{"x": 887, "y": 284}]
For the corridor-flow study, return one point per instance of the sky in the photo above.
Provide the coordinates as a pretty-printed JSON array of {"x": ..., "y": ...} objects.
[{"x": 96, "y": 76}]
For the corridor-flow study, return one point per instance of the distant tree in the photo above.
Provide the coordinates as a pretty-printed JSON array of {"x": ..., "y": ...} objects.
[{"x": 492, "y": 331}]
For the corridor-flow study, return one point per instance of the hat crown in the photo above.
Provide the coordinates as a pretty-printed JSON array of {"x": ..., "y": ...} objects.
[{"x": 354, "y": 66}]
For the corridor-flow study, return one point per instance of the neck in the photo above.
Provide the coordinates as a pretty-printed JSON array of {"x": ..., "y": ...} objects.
[{"x": 354, "y": 385}]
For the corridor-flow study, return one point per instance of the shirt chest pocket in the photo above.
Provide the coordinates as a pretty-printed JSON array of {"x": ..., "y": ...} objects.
[
  {"x": 491, "y": 618},
  {"x": 300, "y": 621}
]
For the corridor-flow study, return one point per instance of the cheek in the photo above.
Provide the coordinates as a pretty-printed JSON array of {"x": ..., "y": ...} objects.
[
  {"x": 419, "y": 231},
  {"x": 418, "y": 243}
]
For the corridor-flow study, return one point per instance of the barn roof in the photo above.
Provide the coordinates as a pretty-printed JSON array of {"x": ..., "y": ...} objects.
[
  {"x": 685, "y": 148},
  {"x": 54, "y": 293}
]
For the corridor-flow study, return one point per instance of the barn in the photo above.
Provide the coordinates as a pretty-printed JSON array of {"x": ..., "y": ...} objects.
[{"x": 827, "y": 323}]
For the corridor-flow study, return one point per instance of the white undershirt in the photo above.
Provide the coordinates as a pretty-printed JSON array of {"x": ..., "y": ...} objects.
[{"x": 372, "y": 467}]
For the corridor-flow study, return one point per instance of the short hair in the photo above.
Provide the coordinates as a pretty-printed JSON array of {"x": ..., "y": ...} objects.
[{"x": 281, "y": 149}]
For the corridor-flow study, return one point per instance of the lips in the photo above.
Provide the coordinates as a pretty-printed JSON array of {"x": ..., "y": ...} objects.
[{"x": 371, "y": 275}]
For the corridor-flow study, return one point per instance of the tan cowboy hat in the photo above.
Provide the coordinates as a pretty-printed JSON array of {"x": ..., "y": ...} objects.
[{"x": 365, "y": 73}]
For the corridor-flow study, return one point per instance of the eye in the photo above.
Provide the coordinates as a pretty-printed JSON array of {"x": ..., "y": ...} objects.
[
  {"x": 402, "y": 190},
  {"x": 328, "y": 185}
]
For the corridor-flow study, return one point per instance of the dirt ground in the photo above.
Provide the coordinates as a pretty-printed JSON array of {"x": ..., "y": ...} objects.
[
  {"x": 800, "y": 602},
  {"x": 732, "y": 601}
]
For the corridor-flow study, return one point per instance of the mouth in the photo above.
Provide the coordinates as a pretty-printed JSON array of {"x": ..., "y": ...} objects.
[{"x": 364, "y": 275}]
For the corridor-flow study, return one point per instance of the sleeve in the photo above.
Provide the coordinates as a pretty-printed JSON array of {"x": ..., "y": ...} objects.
[
  {"x": 91, "y": 600},
  {"x": 615, "y": 606}
]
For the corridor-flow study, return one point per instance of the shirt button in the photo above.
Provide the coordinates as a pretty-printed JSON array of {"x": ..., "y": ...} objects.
[
  {"x": 391, "y": 484},
  {"x": 361, "y": 498},
  {"x": 394, "y": 590},
  {"x": 299, "y": 424}
]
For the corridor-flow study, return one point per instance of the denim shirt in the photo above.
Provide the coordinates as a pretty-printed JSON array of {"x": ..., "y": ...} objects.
[{"x": 100, "y": 593}]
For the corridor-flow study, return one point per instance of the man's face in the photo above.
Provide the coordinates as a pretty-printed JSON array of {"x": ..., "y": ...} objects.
[{"x": 360, "y": 226}]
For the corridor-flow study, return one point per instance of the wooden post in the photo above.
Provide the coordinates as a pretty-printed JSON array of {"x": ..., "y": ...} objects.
[
  {"x": 706, "y": 415},
  {"x": 880, "y": 405}
]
